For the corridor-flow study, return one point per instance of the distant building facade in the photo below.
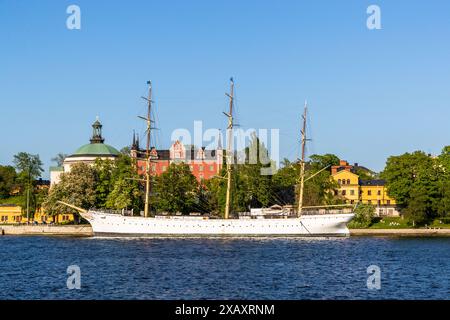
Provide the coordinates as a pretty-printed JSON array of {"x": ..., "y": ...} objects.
[
  {"x": 12, "y": 214},
  {"x": 355, "y": 190},
  {"x": 204, "y": 163}
]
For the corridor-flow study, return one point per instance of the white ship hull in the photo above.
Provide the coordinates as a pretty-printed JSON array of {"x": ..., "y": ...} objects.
[{"x": 308, "y": 225}]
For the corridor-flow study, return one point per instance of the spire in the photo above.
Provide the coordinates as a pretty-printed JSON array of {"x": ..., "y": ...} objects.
[
  {"x": 133, "y": 145},
  {"x": 97, "y": 132},
  {"x": 219, "y": 143}
]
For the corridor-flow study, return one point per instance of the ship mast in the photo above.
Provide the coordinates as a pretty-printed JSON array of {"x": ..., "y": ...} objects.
[
  {"x": 302, "y": 163},
  {"x": 147, "y": 151},
  {"x": 229, "y": 153}
]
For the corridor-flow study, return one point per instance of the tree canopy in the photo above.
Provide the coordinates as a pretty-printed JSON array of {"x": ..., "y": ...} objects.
[
  {"x": 106, "y": 184},
  {"x": 29, "y": 168},
  {"x": 420, "y": 184},
  {"x": 176, "y": 189},
  {"x": 8, "y": 177}
]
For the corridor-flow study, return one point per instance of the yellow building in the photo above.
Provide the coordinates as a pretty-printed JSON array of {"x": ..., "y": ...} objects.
[
  {"x": 354, "y": 190},
  {"x": 41, "y": 217},
  {"x": 374, "y": 192},
  {"x": 348, "y": 185},
  {"x": 11, "y": 214}
]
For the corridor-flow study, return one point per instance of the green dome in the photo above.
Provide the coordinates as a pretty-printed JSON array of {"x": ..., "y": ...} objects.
[{"x": 96, "y": 149}]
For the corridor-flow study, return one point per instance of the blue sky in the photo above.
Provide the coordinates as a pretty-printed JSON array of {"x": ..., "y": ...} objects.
[{"x": 372, "y": 93}]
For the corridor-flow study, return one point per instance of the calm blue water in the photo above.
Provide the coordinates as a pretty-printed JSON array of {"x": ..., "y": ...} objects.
[{"x": 35, "y": 268}]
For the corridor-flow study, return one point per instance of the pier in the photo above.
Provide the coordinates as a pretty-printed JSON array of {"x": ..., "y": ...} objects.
[
  {"x": 85, "y": 230},
  {"x": 82, "y": 230}
]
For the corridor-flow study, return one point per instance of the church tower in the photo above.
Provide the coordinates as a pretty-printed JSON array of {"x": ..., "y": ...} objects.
[
  {"x": 135, "y": 146},
  {"x": 97, "y": 132}
]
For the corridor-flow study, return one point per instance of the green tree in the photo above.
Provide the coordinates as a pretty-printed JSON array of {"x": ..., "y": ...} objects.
[
  {"x": 8, "y": 178},
  {"x": 417, "y": 210},
  {"x": 319, "y": 186},
  {"x": 125, "y": 191},
  {"x": 59, "y": 159},
  {"x": 251, "y": 181},
  {"x": 284, "y": 182},
  {"x": 77, "y": 187},
  {"x": 403, "y": 172},
  {"x": 414, "y": 180},
  {"x": 104, "y": 185},
  {"x": 364, "y": 214},
  {"x": 176, "y": 189},
  {"x": 215, "y": 189},
  {"x": 123, "y": 195},
  {"x": 30, "y": 164},
  {"x": 29, "y": 168}
]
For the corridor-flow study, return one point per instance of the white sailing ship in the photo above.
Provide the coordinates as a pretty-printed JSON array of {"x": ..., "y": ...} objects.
[{"x": 303, "y": 223}]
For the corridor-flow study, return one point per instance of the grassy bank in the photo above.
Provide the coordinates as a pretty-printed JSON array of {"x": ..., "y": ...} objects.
[{"x": 388, "y": 223}]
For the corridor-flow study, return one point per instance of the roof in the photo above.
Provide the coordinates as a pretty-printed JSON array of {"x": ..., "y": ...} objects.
[
  {"x": 96, "y": 149},
  {"x": 345, "y": 172},
  {"x": 375, "y": 182},
  {"x": 41, "y": 182}
]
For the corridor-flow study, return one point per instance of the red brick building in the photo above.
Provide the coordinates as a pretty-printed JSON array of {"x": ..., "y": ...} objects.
[{"x": 204, "y": 163}]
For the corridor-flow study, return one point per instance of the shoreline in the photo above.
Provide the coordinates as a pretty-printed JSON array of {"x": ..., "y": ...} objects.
[
  {"x": 81, "y": 230},
  {"x": 85, "y": 230},
  {"x": 410, "y": 232}
]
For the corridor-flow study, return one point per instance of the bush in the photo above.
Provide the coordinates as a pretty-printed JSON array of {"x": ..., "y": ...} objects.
[{"x": 364, "y": 215}]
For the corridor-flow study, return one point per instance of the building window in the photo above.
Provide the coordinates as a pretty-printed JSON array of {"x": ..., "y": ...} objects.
[
  {"x": 388, "y": 201},
  {"x": 369, "y": 201},
  {"x": 379, "y": 202},
  {"x": 335, "y": 192},
  {"x": 348, "y": 181},
  {"x": 369, "y": 192},
  {"x": 200, "y": 168},
  {"x": 343, "y": 192},
  {"x": 339, "y": 181},
  {"x": 352, "y": 192},
  {"x": 379, "y": 192},
  {"x": 164, "y": 168},
  {"x": 200, "y": 176},
  {"x": 352, "y": 201},
  {"x": 211, "y": 168},
  {"x": 191, "y": 167}
]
